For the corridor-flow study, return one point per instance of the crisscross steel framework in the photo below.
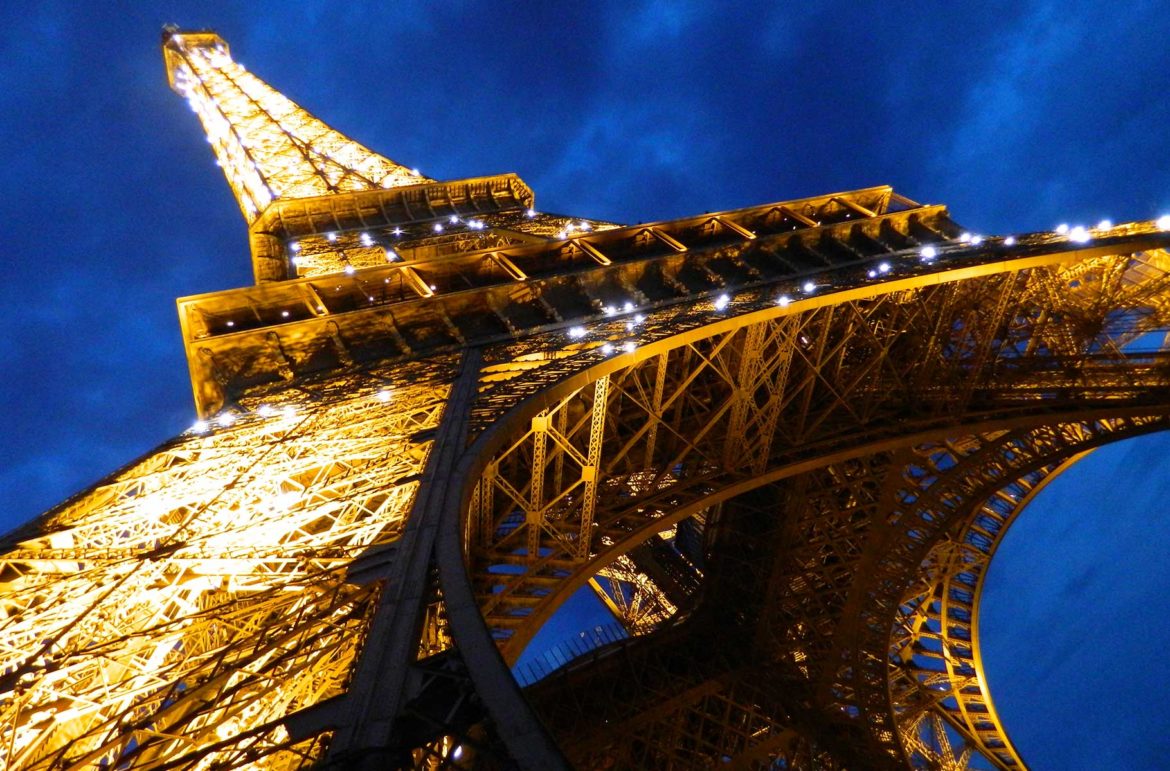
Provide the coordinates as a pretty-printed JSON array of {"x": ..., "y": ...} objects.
[
  {"x": 703, "y": 417},
  {"x": 782, "y": 443}
]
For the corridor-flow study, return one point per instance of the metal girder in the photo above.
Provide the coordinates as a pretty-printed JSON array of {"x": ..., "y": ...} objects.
[
  {"x": 180, "y": 610},
  {"x": 842, "y": 421},
  {"x": 385, "y": 283},
  {"x": 268, "y": 146},
  {"x": 782, "y": 598},
  {"x": 825, "y": 382}
]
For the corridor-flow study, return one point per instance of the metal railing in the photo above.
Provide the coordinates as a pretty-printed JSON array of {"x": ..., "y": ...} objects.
[{"x": 566, "y": 651}]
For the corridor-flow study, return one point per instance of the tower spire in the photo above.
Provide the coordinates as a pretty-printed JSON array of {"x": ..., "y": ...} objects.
[
  {"x": 317, "y": 202},
  {"x": 268, "y": 146}
]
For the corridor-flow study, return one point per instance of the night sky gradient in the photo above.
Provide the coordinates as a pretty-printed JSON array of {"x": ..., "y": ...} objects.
[{"x": 1016, "y": 115}]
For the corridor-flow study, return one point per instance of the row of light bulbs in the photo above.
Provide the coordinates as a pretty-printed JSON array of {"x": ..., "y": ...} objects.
[
  {"x": 1075, "y": 233},
  {"x": 227, "y": 418},
  {"x": 367, "y": 240}
]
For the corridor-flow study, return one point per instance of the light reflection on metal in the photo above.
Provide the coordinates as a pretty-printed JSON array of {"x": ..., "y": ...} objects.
[
  {"x": 704, "y": 414},
  {"x": 268, "y": 146},
  {"x": 816, "y": 482},
  {"x": 174, "y": 609}
]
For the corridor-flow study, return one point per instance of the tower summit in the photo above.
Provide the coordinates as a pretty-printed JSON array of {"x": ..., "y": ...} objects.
[
  {"x": 782, "y": 443},
  {"x": 268, "y": 147}
]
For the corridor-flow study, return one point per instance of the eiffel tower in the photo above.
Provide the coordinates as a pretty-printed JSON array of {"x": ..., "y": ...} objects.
[{"x": 780, "y": 443}]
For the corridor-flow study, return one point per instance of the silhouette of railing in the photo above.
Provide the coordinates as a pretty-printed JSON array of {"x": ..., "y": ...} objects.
[{"x": 566, "y": 651}]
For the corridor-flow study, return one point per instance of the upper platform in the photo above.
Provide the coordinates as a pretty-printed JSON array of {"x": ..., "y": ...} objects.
[{"x": 317, "y": 202}]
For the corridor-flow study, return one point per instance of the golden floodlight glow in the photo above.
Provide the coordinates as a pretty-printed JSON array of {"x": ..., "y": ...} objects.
[
  {"x": 268, "y": 146},
  {"x": 201, "y": 593},
  {"x": 843, "y": 455}
]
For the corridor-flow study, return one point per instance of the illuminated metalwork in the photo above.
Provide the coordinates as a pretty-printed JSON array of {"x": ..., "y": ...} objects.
[
  {"x": 884, "y": 541},
  {"x": 178, "y": 608},
  {"x": 267, "y": 146},
  {"x": 781, "y": 443}
]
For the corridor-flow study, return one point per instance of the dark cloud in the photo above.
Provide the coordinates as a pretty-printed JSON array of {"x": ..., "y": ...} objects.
[{"x": 1017, "y": 115}]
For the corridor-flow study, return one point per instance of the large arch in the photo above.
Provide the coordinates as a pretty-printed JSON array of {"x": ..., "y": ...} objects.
[{"x": 615, "y": 448}]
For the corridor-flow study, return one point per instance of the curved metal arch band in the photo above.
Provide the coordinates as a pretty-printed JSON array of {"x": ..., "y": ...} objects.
[
  {"x": 983, "y": 731},
  {"x": 959, "y": 645},
  {"x": 478, "y": 457}
]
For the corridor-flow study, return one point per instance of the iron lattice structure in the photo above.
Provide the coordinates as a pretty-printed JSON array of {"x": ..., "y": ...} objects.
[{"x": 781, "y": 443}]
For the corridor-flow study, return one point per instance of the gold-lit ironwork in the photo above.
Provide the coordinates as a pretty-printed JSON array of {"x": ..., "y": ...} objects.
[
  {"x": 268, "y": 146},
  {"x": 781, "y": 443},
  {"x": 829, "y": 401},
  {"x": 177, "y": 610}
]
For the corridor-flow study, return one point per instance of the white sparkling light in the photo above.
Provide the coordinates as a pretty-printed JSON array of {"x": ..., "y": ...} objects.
[
  {"x": 1062, "y": 228},
  {"x": 350, "y": 270},
  {"x": 1009, "y": 241},
  {"x": 383, "y": 395},
  {"x": 783, "y": 300},
  {"x": 1104, "y": 224},
  {"x": 265, "y": 411},
  {"x": 1078, "y": 235},
  {"x": 976, "y": 240},
  {"x": 284, "y": 314},
  {"x": 1163, "y": 222},
  {"x": 721, "y": 302},
  {"x": 606, "y": 348},
  {"x": 576, "y": 332},
  {"x": 231, "y": 323},
  {"x": 438, "y": 227},
  {"x": 391, "y": 255},
  {"x": 200, "y": 426},
  {"x": 628, "y": 306},
  {"x": 928, "y": 252},
  {"x": 629, "y": 346},
  {"x": 331, "y": 237},
  {"x": 965, "y": 238},
  {"x": 884, "y": 267},
  {"x": 531, "y": 213},
  {"x": 295, "y": 246},
  {"x": 809, "y": 286}
]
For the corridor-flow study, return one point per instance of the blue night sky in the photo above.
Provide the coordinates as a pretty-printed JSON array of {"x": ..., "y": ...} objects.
[{"x": 1016, "y": 115}]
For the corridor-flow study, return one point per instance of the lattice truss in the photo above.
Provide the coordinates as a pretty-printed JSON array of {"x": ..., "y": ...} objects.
[
  {"x": 268, "y": 146},
  {"x": 688, "y": 418},
  {"x": 799, "y": 562},
  {"x": 173, "y": 614},
  {"x": 697, "y": 722},
  {"x": 938, "y": 687},
  {"x": 900, "y": 541},
  {"x": 632, "y": 596}
]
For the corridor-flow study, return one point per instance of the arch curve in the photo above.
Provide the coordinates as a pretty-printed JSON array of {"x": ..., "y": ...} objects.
[{"x": 836, "y": 398}]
